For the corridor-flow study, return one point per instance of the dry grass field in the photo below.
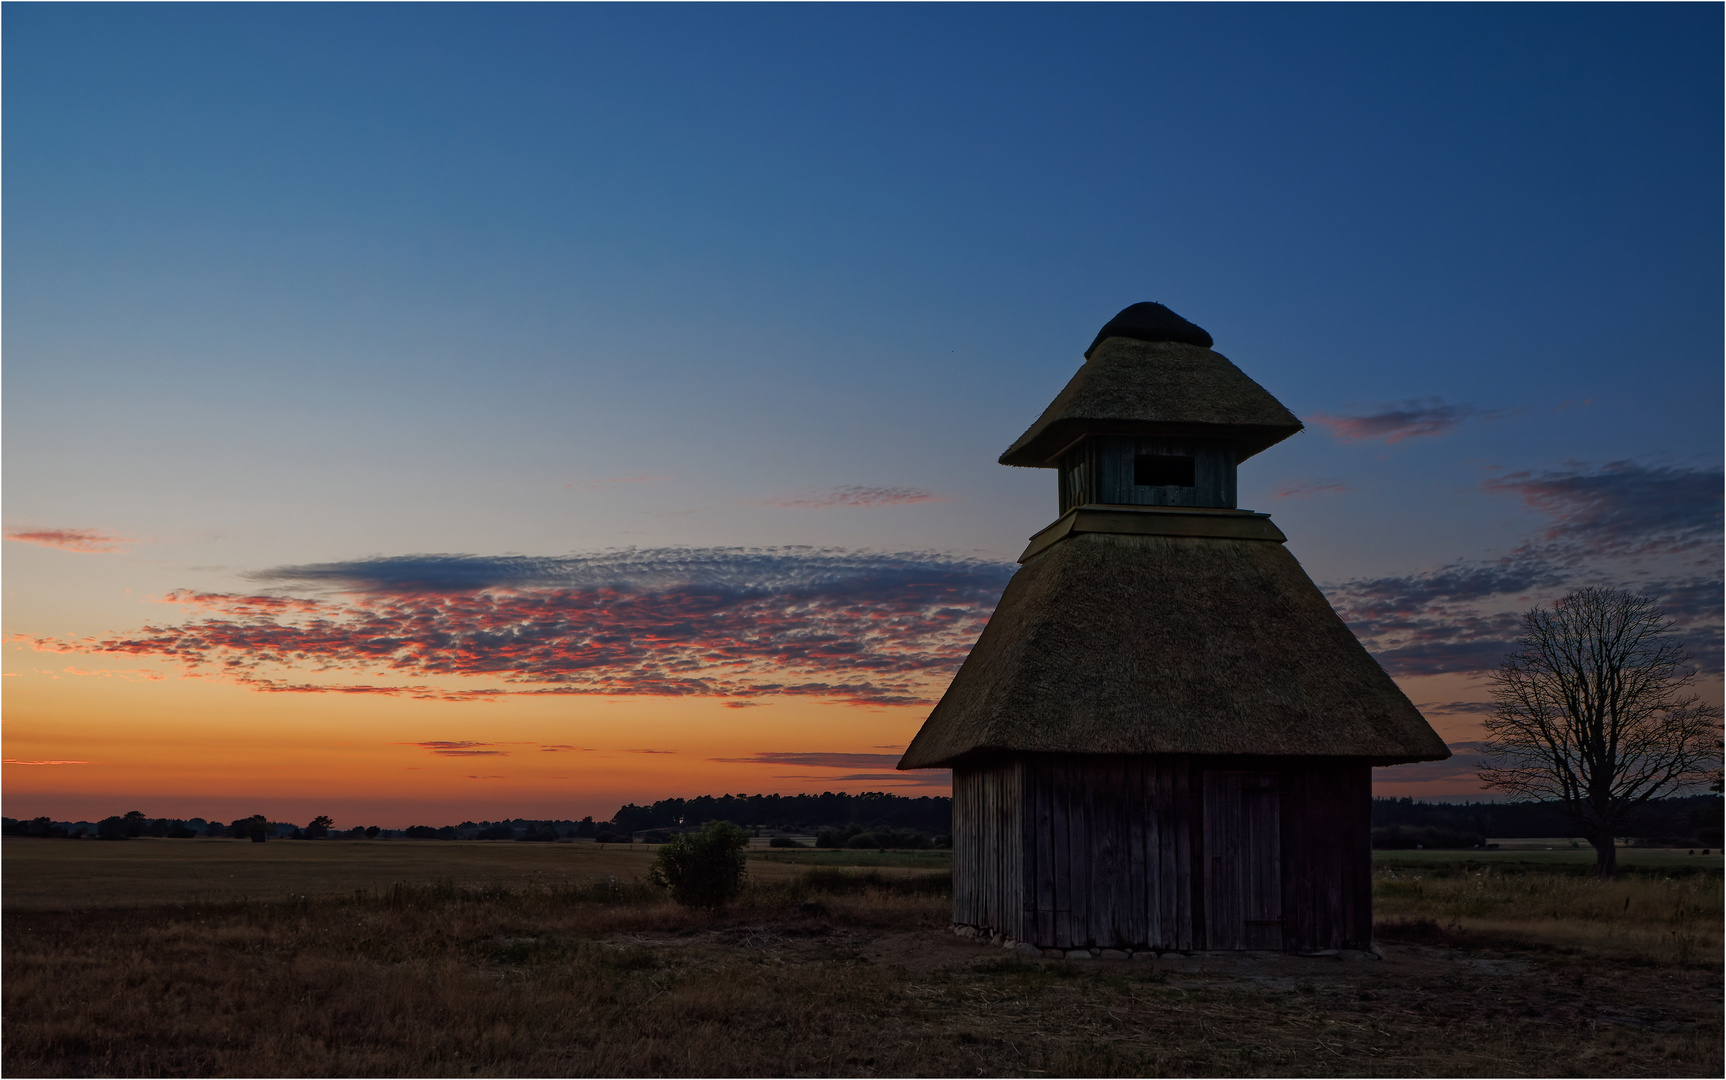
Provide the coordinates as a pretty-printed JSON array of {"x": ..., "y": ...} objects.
[{"x": 430, "y": 958}]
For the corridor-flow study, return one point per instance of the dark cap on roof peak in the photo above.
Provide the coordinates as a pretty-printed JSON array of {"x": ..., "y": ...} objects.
[{"x": 1150, "y": 322}]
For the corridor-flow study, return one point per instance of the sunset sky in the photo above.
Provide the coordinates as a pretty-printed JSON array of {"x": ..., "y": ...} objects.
[{"x": 427, "y": 413}]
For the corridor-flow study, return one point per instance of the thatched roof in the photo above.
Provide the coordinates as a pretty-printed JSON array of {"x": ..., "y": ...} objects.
[
  {"x": 1131, "y": 387},
  {"x": 1150, "y": 322},
  {"x": 1121, "y": 644}
]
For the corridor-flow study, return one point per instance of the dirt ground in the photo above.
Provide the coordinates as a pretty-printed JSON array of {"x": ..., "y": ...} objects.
[{"x": 432, "y": 959}]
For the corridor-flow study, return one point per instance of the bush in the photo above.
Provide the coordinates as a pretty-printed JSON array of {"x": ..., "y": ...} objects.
[
  {"x": 655, "y": 836},
  {"x": 863, "y": 840},
  {"x": 703, "y": 869},
  {"x": 783, "y": 841}
]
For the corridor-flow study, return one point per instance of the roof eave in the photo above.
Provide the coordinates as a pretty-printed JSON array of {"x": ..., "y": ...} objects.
[{"x": 1043, "y": 446}]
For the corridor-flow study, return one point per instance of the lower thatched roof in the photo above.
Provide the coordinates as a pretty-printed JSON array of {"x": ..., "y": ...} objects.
[{"x": 1116, "y": 644}]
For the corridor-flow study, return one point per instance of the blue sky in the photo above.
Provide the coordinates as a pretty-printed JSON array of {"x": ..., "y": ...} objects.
[{"x": 307, "y": 285}]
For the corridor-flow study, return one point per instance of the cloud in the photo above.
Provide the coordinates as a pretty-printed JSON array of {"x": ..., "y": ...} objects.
[
  {"x": 1425, "y": 418},
  {"x": 88, "y": 541},
  {"x": 652, "y": 751},
  {"x": 1462, "y": 767},
  {"x": 853, "y": 495},
  {"x": 816, "y": 760},
  {"x": 929, "y": 777},
  {"x": 736, "y": 623},
  {"x": 1654, "y": 530},
  {"x": 1305, "y": 489},
  {"x": 1623, "y": 507},
  {"x": 565, "y": 749},
  {"x": 444, "y": 748},
  {"x": 1453, "y": 708},
  {"x": 15, "y": 761}
]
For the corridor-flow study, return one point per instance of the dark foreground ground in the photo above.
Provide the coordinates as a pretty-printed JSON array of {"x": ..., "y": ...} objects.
[{"x": 821, "y": 975}]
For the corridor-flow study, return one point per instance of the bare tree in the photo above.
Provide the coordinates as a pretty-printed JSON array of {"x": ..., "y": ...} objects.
[{"x": 1595, "y": 713}]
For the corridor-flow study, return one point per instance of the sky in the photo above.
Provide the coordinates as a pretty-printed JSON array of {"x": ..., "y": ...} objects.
[{"x": 425, "y": 413}]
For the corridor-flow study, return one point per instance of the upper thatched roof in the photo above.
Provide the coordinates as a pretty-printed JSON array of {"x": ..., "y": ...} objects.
[
  {"x": 1130, "y": 387},
  {"x": 1116, "y": 644},
  {"x": 1150, "y": 322}
]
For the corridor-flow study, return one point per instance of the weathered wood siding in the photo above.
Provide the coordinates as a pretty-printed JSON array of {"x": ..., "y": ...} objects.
[
  {"x": 1243, "y": 860},
  {"x": 1164, "y": 851},
  {"x": 1100, "y": 470},
  {"x": 1327, "y": 855},
  {"x": 988, "y": 846}
]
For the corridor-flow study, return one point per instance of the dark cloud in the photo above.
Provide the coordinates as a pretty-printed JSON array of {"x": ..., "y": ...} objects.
[
  {"x": 1306, "y": 489},
  {"x": 853, "y": 495},
  {"x": 817, "y": 760},
  {"x": 444, "y": 748},
  {"x": 1654, "y": 530},
  {"x": 1452, "y": 708},
  {"x": 737, "y": 623},
  {"x": 927, "y": 777},
  {"x": 722, "y": 572},
  {"x": 1462, "y": 768},
  {"x": 652, "y": 751},
  {"x": 1623, "y": 507},
  {"x": 1394, "y": 423}
]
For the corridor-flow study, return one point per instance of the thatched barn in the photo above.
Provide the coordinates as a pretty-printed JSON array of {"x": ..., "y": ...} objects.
[{"x": 1164, "y": 737}]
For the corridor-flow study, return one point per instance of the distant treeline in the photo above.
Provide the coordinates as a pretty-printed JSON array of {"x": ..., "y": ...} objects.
[
  {"x": 892, "y": 820},
  {"x": 1695, "y": 819},
  {"x": 931, "y": 815},
  {"x": 836, "y": 818}
]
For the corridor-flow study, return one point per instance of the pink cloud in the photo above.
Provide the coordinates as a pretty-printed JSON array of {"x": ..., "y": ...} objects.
[
  {"x": 1394, "y": 423},
  {"x": 88, "y": 541},
  {"x": 739, "y": 625}
]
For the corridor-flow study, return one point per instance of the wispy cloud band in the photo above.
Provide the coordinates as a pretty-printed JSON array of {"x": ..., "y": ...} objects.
[{"x": 863, "y": 628}]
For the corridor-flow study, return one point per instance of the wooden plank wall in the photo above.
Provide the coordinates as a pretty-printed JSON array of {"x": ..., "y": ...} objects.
[
  {"x": 1080, "y": 850},
  {"x": 1243, "y": 903},
  {"x": 1111, "y": 472},
  {"x": 988, "y": 846},
  {"x": 1107, "y": 845},
  {"x": 1327, "y": 855}
]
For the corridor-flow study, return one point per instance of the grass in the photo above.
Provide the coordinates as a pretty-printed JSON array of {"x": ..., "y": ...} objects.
[
  {"x": 912, "y": 860},
  {"x": 1645, "y": 916},
  {"x": 501, "y": 959}
]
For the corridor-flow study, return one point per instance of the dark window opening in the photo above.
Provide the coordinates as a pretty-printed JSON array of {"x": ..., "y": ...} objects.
[{"x": 1162, "y": 470}]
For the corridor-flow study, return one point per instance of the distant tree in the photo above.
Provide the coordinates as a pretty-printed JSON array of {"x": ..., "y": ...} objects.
[
  {"x": 702, "y": 869},
  {"x": 255, "y": 828},
  {"x": 112, "y": 828},
  {"x": 372, "y": 832},
  {"x": 319, "y": 828},
  {"x": 1594, "y": 713}
]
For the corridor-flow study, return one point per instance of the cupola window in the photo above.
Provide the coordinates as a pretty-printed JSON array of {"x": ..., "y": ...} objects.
[{"x": 1162, "y": 470}]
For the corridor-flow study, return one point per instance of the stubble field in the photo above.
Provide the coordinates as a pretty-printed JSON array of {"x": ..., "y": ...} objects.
[{"x": 432, "y": 958}]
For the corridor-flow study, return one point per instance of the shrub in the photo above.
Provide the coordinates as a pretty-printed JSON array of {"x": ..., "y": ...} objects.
[
  {"x": 863, "y": 840},
  {"x": 783, "y": 841},
  {"x": 655, "y": 836},
  {"x": 703, "y": 869}
]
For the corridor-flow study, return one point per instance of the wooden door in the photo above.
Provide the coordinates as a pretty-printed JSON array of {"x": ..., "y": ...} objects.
[{"x": 1243, "y": 861}]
